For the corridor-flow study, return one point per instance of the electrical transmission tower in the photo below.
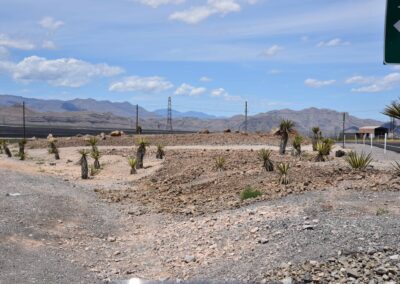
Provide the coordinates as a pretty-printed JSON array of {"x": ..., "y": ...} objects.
[
  {"x": 245, "y": 117},
  {"x": 169, "y": 115}
]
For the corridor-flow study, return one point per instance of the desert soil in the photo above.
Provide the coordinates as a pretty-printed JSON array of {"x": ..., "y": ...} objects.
[{"x": 179, "y": 218}]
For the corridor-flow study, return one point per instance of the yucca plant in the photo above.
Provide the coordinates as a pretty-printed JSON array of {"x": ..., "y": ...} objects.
[
  {"x": 249, "y": 192},
  {"x": 132, "y": 164},
  {"x": 53, "y": 149},
  {"x": 220, "y": 163},
  {"x": 265, "y": 156},
  {"x": 358, "y": 161},
  {"x": 6, "y": 149},
  {"x": 317, "y": 136},
  {"x": 393, "y": 110},
  {"x": 93, "y": 143},
  {"x": 283, "y": 169},
  {"x": 95, "y": 154},
  {"x": 21, "y": 153},
  {"x": 160, "y": 152},
  {"x": 84, "y": 164},
  {"x": 285, "y": 128},
  {"x": 141, "y": 151},
  {"x": 324, "y": 148},
  {"x": 297, "y": 145}
]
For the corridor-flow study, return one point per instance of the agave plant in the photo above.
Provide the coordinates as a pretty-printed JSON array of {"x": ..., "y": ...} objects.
[
  {"x": 6, "y": 149},
  {"x": 132, "y": 163},
  {"x": 317, "y": 136},
  {"x": 53, "y": 149},
  {"x": 84, "y": 164},
  {"x": 265, "y": 156},
  {"x": 285, "y": 128},
  {"x": 93, "y": 142},
  {"x": 21, "y": 153},
  {"x": 141, "y": 151},
  {"x": 220, "y": 163},
  {"x": 95, "y": 154},
  {"x": 283, "y": 169},
  {"x": 160, "y": 152},
  {"x": 297, "y": 145},
  {"x": 358, "y": 161}
]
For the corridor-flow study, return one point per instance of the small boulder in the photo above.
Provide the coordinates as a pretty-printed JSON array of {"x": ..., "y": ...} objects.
[
  {"x": 340, "y": 153},
  {"x": 116, "y": 133}
]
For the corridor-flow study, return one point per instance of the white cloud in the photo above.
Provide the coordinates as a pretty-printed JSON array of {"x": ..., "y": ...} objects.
[
  {"x": 197, "y": 14},
  {"x": 63, "y": 72},
  {"x": 141, "y": 84},
  {"x": 274, "y": 72},
  {"x": 49, "y": 44},
  {"x": 271, "y": 51},
  {"x": 50, "y": 23},
  {"x": 7, "y": 42},
  {"x": 314, "y": 83},
  {"x": 188, "y": 90},
  {"x": 205, "y": 79},
  {"x": 222, "y": 93},
  {"x": 396, "y": 67},
  {"x": 373, "y": 84},
  {"x": 156, "y": 3},
  {"x": 333, "y": 42},
  {"x": 3, "y": 52}
]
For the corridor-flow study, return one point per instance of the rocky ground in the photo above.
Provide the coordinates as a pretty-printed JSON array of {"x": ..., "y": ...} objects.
[{"x": 181, "y": 219}]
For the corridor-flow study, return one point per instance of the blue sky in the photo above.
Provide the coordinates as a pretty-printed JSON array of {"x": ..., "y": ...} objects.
[{"x": 209, "y": 55}]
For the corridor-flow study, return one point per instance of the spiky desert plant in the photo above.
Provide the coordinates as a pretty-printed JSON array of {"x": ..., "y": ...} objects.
[
  {"x": 132, "y": 163},
  {"x": 160, "y": 152},
  {"x": 283, "y": 169},
  {"x": 285, "y": 128},
  {"x": 93, "y": 143},
  {"x": 84, "y": 164},
  {"x": 396, "y": 169},
  {"x": 21, "y": 146},
  {"x": 324, "y": 148},
  {"x": 219, "y": 163},
  {"x": 358, "y": 161},
  {"x": 53, "y": 149},
  {"x": 6, "y": 149},
  {"x": 265, "y": 156},
  {"x": 393, "y": 110},
  {"x": 297, "y": 145},
  {"x": 316, "y": 137},
  {"x": 249, "y": 192},
  {"x": 95, "y": 154},
  {"x": 141, "y": 151}
]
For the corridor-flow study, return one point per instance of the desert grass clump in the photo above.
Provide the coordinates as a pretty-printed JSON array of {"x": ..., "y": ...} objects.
[
  {"x": 53, "y": 149},
  {"x": 265, "y": 156},
  {"x": 6, "y": 149},
  {"x": 219, "y": 163},
  {"x": 317, "y": 136},
  {"x": 95, "y": 154},
  {"x": 132, "y": 163},
  {"x": 286, "y": 127},
  {"x": 84, "y": 163},
  {"x": 141, "y": 151},
  {"x": 93, "y": 143},
  {"x": 358, "y": 161},
  {"x": 160, "y": 152},
  {"x": 324, "y": 148},
  {"x": 298, "y": 139},
  {"x": 249, "y": 192},
  {"x": 283, "y": 169}
]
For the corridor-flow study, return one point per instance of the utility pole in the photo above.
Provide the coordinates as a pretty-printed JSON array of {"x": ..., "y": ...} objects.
[
  {"x": 169, "y": 115},
  {"x": 344, "y": 119},
  {"x": 23, "y": 119},
  {"x": 137, "y": 118},
  {"x": 245, "y": 117}
]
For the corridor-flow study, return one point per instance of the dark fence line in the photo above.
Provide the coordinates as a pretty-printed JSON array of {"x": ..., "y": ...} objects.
[{"x": 7, "y": 131}]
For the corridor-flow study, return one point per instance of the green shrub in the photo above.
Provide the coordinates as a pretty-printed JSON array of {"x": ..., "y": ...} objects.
[
  {"x": 249, "y": 192},
  {"x": 358, "y": 161}
]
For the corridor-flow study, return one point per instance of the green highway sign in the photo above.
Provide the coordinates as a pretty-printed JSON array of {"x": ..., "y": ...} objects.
[{"x": 392, "y": 32}]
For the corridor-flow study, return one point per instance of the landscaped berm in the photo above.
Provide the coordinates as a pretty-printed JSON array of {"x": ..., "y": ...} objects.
[{"x": 219, "y": 207}]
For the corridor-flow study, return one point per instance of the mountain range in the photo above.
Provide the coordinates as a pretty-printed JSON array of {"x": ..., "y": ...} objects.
[{"x": 106, "y": 114}]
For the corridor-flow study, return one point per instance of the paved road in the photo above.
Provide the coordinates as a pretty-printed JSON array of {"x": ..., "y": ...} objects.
[{"x": 377, "y": 153}]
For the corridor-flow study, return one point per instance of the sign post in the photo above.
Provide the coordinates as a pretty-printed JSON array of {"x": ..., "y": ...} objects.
[{"x": 392, "y": 32}]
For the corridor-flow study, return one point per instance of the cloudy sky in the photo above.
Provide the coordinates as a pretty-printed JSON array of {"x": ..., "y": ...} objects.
[{"x": 209, "y": 55}]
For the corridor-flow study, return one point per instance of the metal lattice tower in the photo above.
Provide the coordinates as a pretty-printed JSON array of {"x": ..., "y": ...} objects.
[{"x": 169, "y": 115}]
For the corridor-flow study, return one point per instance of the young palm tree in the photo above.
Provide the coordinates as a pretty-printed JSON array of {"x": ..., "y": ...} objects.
[
  {"x": 160, "y": 152},
  {"x": 285, "y": 128},
  {"x": 265, "y": 156},
  {"x": 132, "y": 164},
  {"x": 316, "y": 137},
  {"x": 95, "y": 154},
  {"x": 93, "y": 142},
  {"x": 297, "y": 145},
  {"x": 84, "y": 164},
  {"x": 141, "y": 151},
  {"x": 53, "y": 149},
  {"x": 6, "y": 149},
  {"x": 21, "y": 153},
  {"x": 283, "y": 169}
]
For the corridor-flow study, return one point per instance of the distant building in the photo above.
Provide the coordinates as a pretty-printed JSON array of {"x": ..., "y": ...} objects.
[{"x": 373, "y": 131}]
